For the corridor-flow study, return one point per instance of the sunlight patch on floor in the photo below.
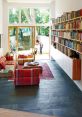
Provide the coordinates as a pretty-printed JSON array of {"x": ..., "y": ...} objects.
[
  {"x": 15, "y": 113},
  {"x": 41, "y": 56}
]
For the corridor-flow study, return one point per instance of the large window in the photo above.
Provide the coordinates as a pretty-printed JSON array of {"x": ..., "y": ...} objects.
[
  {"x": 29, "y": 25},
  {"x": 41, "y": 16},
  {"x": 13, "y": 39},
  {"x": 29, "y": 16},
  {"x": 43, "y": 30},
  {"x": 26, "y": 15},
  {"x": 13, "y": 16}
]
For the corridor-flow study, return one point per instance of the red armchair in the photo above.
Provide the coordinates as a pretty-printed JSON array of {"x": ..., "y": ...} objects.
[{"x": 27, "y": 77}]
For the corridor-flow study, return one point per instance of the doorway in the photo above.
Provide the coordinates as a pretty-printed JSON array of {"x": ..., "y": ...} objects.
[{"x": 42, "y": 42}]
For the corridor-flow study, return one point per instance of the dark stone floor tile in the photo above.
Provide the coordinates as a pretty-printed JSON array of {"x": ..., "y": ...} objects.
[{"x": 59, "y": 96}]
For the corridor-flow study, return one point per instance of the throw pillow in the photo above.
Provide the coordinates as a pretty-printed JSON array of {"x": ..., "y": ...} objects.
[
  {"x": 3, "y": 59},
  {"x": 9, "y": 58},
  {"x": 2, "y": 65},
  {"x": 20, "y": 56}
]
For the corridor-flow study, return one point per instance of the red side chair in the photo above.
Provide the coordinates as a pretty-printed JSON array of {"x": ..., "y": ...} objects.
[{"x": 27, "y": 77}]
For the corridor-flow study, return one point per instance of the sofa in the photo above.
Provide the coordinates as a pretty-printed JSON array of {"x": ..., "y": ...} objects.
[
  {"x": 25, "y": 58},
  {"x": 27, "y": 76},
  {"x": 7, "y": 66}
]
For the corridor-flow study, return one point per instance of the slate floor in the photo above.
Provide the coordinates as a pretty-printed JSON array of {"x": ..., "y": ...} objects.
[{"x": 59, "y": 97}]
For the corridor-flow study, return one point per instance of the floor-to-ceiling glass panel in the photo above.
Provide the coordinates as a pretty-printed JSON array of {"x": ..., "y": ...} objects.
[
  {"x": 25, "y": 38},
  {"x": 42, "y": 42},
  {"x": 42, "y": 38},
  {"x": 12, "y": 39},
  {"x": 22, "y": 40}
]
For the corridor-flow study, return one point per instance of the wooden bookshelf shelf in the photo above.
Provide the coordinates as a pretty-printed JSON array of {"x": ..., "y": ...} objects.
[
  {"x": 69, "y": 20},
  {"x": 66, "y": 30},
  {"x": 68, "y": 47},
  {"x": 67, "y": 39}
]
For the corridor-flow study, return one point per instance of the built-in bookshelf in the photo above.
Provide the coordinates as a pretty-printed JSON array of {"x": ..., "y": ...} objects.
[{"x": 67, "y": 38}]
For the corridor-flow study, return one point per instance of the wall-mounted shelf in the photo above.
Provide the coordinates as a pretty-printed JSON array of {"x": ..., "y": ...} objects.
[
  {"x": 77, "y": 18},
  {"x": 68, "y": 38},
  {"x": 67, "y": 41}
]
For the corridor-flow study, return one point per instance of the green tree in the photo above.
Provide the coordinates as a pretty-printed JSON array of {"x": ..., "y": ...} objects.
[
  {"x": 41, "y": 16},
  {"x": 13, "y": 16}
]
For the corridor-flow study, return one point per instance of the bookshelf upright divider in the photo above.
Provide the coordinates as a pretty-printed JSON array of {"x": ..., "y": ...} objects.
[{"x": 67, "y": 41}]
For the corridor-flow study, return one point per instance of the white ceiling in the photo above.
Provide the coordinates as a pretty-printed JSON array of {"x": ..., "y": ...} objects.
[{"x": 30, "y": 1}]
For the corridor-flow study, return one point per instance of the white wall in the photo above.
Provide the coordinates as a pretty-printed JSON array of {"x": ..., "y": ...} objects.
[
  {"x": 1, "y": 52},
  {"x": 1, "y": 17},
  {"x": 28, "y": 5},
  {"x": 5, "y": 26},
  {"x": 52, "y": 7},
  {"x": 66, "y": 5}
]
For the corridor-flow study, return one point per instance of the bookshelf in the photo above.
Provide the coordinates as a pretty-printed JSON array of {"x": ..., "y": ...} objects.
[{"x": 67, "y": 42}]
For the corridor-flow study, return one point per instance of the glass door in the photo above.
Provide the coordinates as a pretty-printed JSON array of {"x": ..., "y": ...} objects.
[
  {"x": 25, "y": 40},
  {"x": 12, "y": 39},
  {"x": 22, "y": 39}
]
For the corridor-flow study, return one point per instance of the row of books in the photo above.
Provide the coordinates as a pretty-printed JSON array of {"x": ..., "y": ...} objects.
[
  {"x": 71, "y": 44},
  {"x": 68, "y": 15},
  {"x": 69, "y": 35},
  {"x": 67, "y": 51},
  {"x": 70, "y": 25},
  {"x": 52, "y": 39}
]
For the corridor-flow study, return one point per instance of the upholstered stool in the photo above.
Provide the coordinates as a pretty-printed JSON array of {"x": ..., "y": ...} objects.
[{"x": 27, "y": 76}]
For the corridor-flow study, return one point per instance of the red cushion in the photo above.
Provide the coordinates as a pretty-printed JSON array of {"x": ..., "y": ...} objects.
[
  {"x": 2, "y": 65},
  {"x": 2, "y": 62},
  {"x": 25, "y": 56},
  {"x": 3, "y": 59},
  {"x": 9, "y": 58},
  {"x": 20, "y": 56}
]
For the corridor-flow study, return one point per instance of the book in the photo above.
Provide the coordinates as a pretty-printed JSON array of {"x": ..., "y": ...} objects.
[
  {"x": 74, "y": 45},
  {"x": 80, "y": 12},
  {"x": 77, "y": 14},
  {"x": 78, "y": 47},
  {"x": 78, "y": 22},
  {"x": 81, "y": 47},
  {"x": 81, "y": 36},
  {"x": 73, "y": 13},
  {"x": 81, "y": 24}
]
